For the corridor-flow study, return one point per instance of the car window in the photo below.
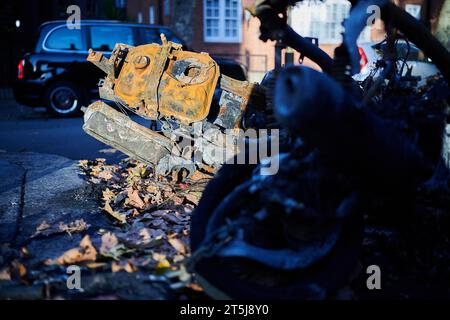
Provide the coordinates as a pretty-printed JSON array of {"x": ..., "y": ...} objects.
[
  {"x": 104, "y": 38},
  {"x": 65, "y": 39},
  {"x": 152, "y": 35},
  {"x": 403, "y": 50}
]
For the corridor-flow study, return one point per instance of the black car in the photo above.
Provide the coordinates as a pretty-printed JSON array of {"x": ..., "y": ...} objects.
[{"x": 57, "y": 74}]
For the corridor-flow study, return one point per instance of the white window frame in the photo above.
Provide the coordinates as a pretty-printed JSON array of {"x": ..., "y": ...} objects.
[
  {"x": 316, "y": 19},
  {"x": 221, "y": 37}
]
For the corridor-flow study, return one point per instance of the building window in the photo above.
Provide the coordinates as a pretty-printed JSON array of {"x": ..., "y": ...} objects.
[
  {"x": 413, "y": 9},
  {"x": 151, "y": 15},
  {"x": 166, "y": 8},
  {"x": 323, "y": 20},
  {"x": 222, "y": 20}
]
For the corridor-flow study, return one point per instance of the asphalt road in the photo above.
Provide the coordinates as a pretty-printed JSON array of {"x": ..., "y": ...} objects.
[{"x": 28, "y": 129}]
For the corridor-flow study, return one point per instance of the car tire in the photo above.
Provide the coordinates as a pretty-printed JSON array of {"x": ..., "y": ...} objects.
[{"x": 64, "y": 99}]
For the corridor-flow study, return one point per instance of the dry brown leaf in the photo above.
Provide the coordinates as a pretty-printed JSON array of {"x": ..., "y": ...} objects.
[
  {"x": 75, "y": 226},
  {"x": 178, "y": 245},
  {"x": 134, "y": 199},
  {"x": 192, "y": 197},
  {"x": 109, "y": 241},
  {"x": 19, "y": 268},
  {"x": 85, "y": 252},
  {"x": 178, "y": 258},
  {"x": 152, "y": 188},
  {"x": 5, "y": 274},
  {"x": 108, "y": 195},
  {"x": 135, "y": 213},
  {"x": 83, "y": 163},
  {"x": 125, "y": 266},
  {"x": 197, "y": 175},
  {"x": 158, "y": 256},
  {"x": 194, "y": 287},
  {"x": 105, "y": 175},
  {"x": 94, "y": 265},
  {"x": 176, "y": 200},
  {"x": 140, "y": 237},
  {"x": 116, "y": 215},
  {"x": 44, "y": 229}
]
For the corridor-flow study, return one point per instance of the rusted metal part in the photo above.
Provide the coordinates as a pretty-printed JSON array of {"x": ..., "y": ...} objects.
[
  {"x": 156, "y": 80},
  {"x": 176, "y": 88},
  {"x": 117, "y": 130}
]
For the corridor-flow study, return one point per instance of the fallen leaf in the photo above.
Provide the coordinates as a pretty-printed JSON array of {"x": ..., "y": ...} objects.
[
  {"x": 125, "y": 266},
  {"x": 163, "y": 265},
  {"x": 135, "y": 213},
  {"x": 178, "y": 245},
  {"x": 134, "y": 199},
  {"x": 109, "y": 241},
  {"x": 95, "y": 265},
  {"x": 197, "y": 175},
  {"x": 105, "y": 175},
  {"x": 194, "y": 287},
  {"x": 158, "y": 256},
  {"x": 176, "y": 200},
  {"x": 152, "y": 188},
  {"x": 83, "y": 163},
  {"x": 75, "y": 226},
  {"x": 111, "y": 248},
  {"x": 22, "y": 270},
  {"x": 178, "y": 258},
  {"x": 116, "y": 215},
  {"x": 140, "y": 237},
  {"x": 5, "y": 274},
  {"x": 85, "y": 252},
  {"x": 108, "y": 195},
  {"x": 44, "y": 229},
  {"x": 192, "y": 197}
]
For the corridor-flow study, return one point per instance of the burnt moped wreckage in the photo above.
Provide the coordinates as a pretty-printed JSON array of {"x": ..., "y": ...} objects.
[
  {"x": 196, "y": 111},
  {"x": 295, "y": 232},
  {"x": 298, "y": 233}
]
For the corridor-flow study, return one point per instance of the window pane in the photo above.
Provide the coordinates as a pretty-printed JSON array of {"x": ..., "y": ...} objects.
[
  {"x": 65, "y": 39},
  {"x": 150, "y": 35},
  {"x": 105, "y": 38},
  {"x": 221, "y": 19}
]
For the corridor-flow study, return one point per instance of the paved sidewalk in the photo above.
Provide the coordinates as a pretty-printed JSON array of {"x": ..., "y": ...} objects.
[{"x": 42, "y": 188}]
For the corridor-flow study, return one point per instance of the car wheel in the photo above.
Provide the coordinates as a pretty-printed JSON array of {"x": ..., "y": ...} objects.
[{"x": 64, "y": 99}]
